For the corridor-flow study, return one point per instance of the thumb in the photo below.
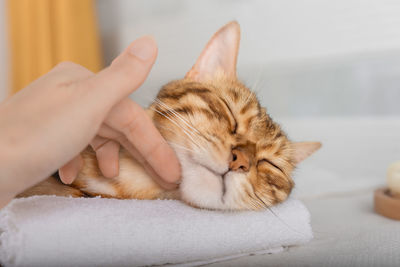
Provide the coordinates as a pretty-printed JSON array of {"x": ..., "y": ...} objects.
[{"x": 125, "y": 74}]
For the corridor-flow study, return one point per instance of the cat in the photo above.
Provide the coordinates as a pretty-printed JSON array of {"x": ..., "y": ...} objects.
[{"x": 233, "y": 156}]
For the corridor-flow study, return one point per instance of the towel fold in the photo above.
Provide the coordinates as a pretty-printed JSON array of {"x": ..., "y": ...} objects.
[{"x": 57, "y": 231}]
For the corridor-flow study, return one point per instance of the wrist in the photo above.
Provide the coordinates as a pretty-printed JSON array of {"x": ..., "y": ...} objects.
[{"x": 9, "y": 183}]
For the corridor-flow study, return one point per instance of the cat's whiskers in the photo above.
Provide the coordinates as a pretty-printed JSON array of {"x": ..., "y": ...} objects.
[
  {"x": 187, "y": 122},
  {"x": 175, "y": 145},
  {"x": 286, "y": 224},
  {"x": 192, "y": 130},
  {"x": 255, "y": 88},
  {"x": 174, "y": 122},
  {"x": 188, "y": 134},
  {"x": 249, "y": 98},
  {"x": 256, "y": 84},
  {"x": 190, "y": 125},
  {"x": 257, "y": 81},
  {"x": 164, "y": 127},
  {"x": 273, "y": 213},
  {"x": 176, "y": 114}
]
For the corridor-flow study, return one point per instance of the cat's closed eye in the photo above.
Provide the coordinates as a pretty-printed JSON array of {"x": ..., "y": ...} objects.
[
  {"x": 235, "y": 126},
  {"x": 269, "y": 162}
]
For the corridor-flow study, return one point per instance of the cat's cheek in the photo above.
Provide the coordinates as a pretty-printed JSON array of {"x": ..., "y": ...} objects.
[
  {"x": 234, "y": 197},
  {"x": 201, "y": 187},
  {"x": 216, "y": 161}
]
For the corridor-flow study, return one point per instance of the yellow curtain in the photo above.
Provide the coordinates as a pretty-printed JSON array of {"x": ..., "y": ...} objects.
[{"x": 45, "y": 32}]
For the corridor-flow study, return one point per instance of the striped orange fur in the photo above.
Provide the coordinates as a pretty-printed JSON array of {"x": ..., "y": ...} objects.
[{"x": 233, "y": 155}]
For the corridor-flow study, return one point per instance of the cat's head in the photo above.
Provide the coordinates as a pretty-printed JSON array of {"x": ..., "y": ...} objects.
[{"x": 233, "y": 156}]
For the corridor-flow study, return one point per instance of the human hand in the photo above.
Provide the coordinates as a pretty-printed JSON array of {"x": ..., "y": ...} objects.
[
  {"x": 128, "y": 124},
  {"x": 53, "y": 119}
]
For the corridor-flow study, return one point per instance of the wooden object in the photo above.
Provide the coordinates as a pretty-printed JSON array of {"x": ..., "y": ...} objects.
[{"x": 386, "y": 204}]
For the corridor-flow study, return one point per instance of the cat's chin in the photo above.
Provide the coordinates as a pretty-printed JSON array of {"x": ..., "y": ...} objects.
[
  {"x": 203, "y": 187},
  {"x": 200, "y": 186}
]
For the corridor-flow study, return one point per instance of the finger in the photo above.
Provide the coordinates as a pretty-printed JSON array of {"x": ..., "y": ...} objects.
[
  {"x": 158, "y": 179},
  {"x": 130, "y": 119},
  {"x": 107, "y": 154},
  {"x": 73, "y": 68},
  {"x": 126, "y": 73},
  {"x": 69, "y": 171},
  {"x": 107, "y": 132},
  {"x": 149, "y": 170},
  {"x": 75, "y": 72}
]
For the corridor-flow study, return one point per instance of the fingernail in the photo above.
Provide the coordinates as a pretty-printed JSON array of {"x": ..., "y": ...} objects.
[
  {"x": 143, "y": 48},
  {"x": 65, "y": 179},
  {"x": 68, "y": 180}
]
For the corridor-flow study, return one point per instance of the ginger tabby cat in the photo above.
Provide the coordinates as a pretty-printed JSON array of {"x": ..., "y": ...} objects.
[{"x": 233, "y": 156}]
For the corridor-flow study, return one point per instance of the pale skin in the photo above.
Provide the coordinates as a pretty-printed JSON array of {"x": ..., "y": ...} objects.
[{"x": 45, "y": 126}]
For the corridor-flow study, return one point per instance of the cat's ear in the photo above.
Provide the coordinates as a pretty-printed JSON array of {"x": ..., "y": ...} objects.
[
  {"x": 303, "y": 150},
  {"x": 219, "y": 55}
]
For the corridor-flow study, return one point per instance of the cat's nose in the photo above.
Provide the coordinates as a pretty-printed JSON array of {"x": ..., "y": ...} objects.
[{"x": 240, "y": 161}]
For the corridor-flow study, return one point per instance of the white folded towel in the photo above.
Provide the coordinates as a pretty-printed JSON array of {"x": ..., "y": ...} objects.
[{"x": 56, "y": 231}]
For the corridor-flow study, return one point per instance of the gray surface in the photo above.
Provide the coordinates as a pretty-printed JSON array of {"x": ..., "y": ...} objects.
[
  {"x": 304, "y": 58},
  {"x": 347, "y": 233}
]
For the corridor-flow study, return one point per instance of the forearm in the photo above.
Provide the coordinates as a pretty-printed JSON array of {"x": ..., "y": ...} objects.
[
  {"x": 34, "y": 133},
  {"x": 14, "y": 177},
  {"x": 9, "y": 186}
]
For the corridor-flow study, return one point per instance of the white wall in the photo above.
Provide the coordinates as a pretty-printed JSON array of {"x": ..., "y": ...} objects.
[
  {"x": 273, "y": 31},
  {"x": 3, "y": 53},
  {"x": 312, "y": 57}
]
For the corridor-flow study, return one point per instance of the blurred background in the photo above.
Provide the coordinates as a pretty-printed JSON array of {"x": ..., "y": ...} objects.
[{"x": 305, "y": 58}]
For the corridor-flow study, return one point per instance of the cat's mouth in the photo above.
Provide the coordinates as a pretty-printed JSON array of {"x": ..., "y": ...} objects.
[
  {"x": 216, "y": 173},
  {"x": 221, "y": 175}
]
